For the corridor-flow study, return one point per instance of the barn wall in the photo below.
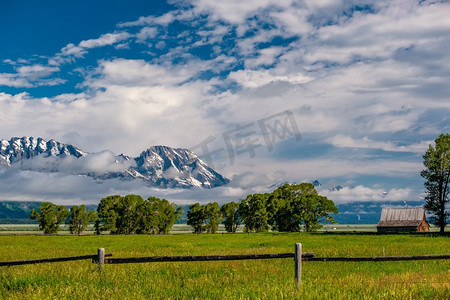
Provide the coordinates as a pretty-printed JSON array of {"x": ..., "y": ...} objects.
[{"x": 424, "y": 227}]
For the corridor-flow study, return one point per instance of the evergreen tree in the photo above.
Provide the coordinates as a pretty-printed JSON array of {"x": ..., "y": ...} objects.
[{"x": 437, "y": 175}]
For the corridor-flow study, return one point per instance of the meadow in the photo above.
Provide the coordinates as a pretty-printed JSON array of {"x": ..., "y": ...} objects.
[{"x": 251, "y": 279}]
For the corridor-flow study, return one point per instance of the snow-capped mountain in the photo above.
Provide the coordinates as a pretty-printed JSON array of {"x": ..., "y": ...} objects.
[
  {"x": 17, "y": 149},
  {"x": 168, "y": 167},
  {"x": 159, "y": 166}
]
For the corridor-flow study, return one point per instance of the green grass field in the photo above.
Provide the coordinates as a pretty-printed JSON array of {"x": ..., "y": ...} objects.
[{"x": 251, "y": 279}]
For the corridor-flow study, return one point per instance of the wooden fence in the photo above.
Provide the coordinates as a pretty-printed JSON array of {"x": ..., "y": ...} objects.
[
  {"x": 102, "y": 258},
  {"x": 94, "y": 257},
  {"x": 379, "y": 258}
]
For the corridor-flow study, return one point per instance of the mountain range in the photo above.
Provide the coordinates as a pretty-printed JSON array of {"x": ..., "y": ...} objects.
[{"x": 158, "y": 166}]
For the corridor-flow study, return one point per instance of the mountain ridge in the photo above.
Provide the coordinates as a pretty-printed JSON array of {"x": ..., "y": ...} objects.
[{"x": 158, "y": 166}]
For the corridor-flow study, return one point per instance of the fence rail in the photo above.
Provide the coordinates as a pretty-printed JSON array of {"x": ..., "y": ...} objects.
[
  {"x": 379, "y": 258},
  {"x": 202, "y": 258},
  {"x": 94, "y": 258}
]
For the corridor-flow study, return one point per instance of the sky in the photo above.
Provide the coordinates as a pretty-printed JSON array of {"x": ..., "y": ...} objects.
[{"x": 348, "y": 93}]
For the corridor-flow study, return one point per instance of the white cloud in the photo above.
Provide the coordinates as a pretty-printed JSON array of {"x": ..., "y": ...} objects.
[
  {"x": 366, "y": 143},
  {"x": 30, "y": 76},
  {"x": 375, "y": 36},
  {"x": 164, "y": 19},
  {"x": 235, "y": 11},
  {"x": 127, "y": 72},
  {"x": 255, "y": 79},
  {"x": 266, "y": 171},
  {"x": 59, "y": 188},
  {"x": 363, "y": 193},
  {"x": 13, "y": 81},
  {"x": 9, "y": 61},
  {"x": 95, "y": 163},
  {"x": 147, "y": 33},
  {"x": 36, "y": 71},
  {"x": 104, "y": 40},
  {"x": 266, "y": 57},
  {"x": 72, "y": 51}
]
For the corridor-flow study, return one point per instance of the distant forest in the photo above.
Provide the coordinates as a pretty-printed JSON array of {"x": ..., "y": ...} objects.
[{"x": 368, "y": 212}]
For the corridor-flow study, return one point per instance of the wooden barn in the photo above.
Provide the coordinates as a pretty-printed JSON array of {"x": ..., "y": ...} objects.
[{"x": 403, "y": 220}]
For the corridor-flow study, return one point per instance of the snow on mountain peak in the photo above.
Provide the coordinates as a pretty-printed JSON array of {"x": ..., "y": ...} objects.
[{"x": 160, "y": 166}]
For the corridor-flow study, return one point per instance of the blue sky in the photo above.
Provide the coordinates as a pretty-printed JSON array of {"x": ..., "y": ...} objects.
[{"x": 354, "y": 91}]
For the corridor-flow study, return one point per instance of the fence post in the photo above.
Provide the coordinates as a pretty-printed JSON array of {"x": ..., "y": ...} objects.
[
  {"x": 298, "y": 263},
  {"x": 101, "y": 258}
]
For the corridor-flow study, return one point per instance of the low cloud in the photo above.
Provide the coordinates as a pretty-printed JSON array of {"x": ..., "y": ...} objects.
[
  {"x": 74, "y": 189},
  {"x": 93, "y": 164},
  {"x": 364, "y": 193}
]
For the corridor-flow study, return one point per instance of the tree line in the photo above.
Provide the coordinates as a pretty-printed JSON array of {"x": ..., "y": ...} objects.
[
  {"x": 117, "y": 214},
  {"x": 287, "y": 208}
]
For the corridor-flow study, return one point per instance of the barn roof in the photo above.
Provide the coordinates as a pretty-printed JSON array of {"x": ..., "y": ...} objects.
[{"x": 399, "y": 217}]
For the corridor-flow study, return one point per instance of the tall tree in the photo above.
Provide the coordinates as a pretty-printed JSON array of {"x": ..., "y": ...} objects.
[
  {"x": 314, "y": 209},
  {"x": 131, "y": 214},
  {"x": 293, "y": 205},
  {"x": 127, "y": 221},
  {"x": 254, "y": 214},
  {"x": 79, "y": 219},
  {"x": 164, "y": 214},
  {"x": 107, "y": 214},
  {"x": 231, "y": 216},
  {"x": 147, "y": 219},
  {"x": 213, "y": 216},
  {"x": 49, "y": 216},
  {"x": 118, "y": 214},
  {"x": 196, "y": 217},
  {"x": 285, "y": 211},
  {"x": 437, "y": 176}
]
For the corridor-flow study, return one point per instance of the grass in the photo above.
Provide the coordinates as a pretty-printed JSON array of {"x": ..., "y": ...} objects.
[{"x": 252, "y": 279}]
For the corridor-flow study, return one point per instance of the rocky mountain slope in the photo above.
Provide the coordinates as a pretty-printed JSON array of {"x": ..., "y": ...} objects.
[{"x": 159, "y": 166}]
